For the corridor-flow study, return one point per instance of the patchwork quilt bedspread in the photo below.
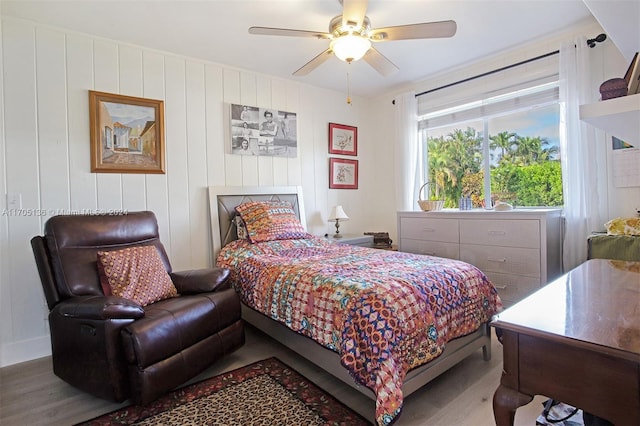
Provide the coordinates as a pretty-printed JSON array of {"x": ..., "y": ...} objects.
[{"x": 384, "y": 312}]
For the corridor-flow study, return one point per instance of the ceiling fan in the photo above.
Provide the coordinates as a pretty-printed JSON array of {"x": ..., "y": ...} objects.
[{"x": 350, "y": 36}]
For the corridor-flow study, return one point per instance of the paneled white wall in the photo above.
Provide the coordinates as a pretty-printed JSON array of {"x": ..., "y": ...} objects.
[{"x": 44, "y": 153}]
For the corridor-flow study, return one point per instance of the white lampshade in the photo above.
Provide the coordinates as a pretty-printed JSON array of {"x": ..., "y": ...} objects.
[
  {"x": 350, "y": 47},
  {"x": 338, "y": 213}
]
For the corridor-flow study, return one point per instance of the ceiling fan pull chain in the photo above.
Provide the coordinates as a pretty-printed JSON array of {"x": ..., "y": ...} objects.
[{"x": 348, "y": 84}]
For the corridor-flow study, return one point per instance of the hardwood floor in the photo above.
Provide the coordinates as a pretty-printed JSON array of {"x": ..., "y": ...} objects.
[{"x": 30, "y": 394}]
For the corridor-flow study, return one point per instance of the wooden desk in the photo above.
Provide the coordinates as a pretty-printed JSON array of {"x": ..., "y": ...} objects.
[{"x": 576, "y": 340}]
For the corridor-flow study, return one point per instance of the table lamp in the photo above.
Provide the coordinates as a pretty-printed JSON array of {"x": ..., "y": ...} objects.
[{"x": 338, "y": 214}]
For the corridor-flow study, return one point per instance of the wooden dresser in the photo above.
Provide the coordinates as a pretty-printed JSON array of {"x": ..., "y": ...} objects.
[{"x": 519, "y": 250}]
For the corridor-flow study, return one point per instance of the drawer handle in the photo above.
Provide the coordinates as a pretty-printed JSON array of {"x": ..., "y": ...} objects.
[
  {"x": 429, "y": 253},
  {"x": 496, "y": 259},
  {"x": 494, "y": 233},
  {"x": 500, "y": 287},
  {"x": 428, "y": 230}
]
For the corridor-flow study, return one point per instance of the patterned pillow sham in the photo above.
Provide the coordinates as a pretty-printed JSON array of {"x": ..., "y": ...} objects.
[
  {"x": 270, "y": 220},
  {"x": 135, "y": 273}
]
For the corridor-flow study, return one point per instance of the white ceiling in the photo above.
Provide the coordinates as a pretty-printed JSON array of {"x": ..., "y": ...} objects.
[{"x": 216, "y": 30}]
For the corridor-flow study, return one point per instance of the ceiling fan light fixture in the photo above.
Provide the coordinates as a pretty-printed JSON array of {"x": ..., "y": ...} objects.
[
  {"x": 351, "y": 37},
  {"x": 350, "y": 47}
]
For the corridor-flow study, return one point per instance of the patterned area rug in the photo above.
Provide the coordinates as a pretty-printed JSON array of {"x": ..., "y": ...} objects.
[{"x": 264, "y": 393}]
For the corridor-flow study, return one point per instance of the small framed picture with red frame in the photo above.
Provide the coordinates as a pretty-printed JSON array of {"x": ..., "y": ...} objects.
[
  {"x": 343, "y": 139},
  {"x": 343, "y": 173}
]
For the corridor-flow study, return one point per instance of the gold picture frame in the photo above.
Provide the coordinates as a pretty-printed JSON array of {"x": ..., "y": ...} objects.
[{"x": 127, "y": 134}]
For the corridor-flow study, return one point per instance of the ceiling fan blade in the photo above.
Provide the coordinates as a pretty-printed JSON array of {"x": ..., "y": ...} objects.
[
  {"x": 288, "y": 32},
  {"x": 413, "y": 31},
  {"x": 314, "y": 63},
  {"x": 379, "y": 62},
  {"x": 353, "y": 12}
]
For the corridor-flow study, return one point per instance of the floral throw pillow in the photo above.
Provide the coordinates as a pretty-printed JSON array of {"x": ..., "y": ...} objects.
[
  {"x": 270, "y": 220},
  {"x": 135, "y": 273},
  {"x": 623, "y": 226}
]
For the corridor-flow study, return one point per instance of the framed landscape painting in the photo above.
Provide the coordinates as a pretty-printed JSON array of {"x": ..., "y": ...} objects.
[
  {"x": 343, "y": 139},
  {"x": 127, "y": 134},
  {"x": 343, "y": 173}
]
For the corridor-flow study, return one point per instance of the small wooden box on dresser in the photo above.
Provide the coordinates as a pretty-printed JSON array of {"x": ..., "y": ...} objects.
[{"x": 519, "y": 250}]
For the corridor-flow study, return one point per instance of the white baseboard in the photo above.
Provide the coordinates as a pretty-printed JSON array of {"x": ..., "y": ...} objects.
[{"x": 25, "y": 350}]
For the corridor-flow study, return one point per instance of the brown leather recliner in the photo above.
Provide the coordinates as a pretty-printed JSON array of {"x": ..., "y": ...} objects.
[{"x": 112, "y": 347}]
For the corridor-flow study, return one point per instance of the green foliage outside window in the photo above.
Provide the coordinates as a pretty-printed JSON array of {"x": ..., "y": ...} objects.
[
  {"x": 525, "y": 170},
  {"x": 451, "y": 158}
]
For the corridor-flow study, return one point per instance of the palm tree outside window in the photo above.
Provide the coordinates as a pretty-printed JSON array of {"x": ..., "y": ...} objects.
[{"x": 504, "y": 149}]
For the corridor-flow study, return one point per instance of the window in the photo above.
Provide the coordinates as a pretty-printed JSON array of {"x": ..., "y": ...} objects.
[{"x": 499, "y": 148}]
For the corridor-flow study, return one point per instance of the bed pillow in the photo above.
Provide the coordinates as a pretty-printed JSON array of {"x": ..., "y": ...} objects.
[
  {"x": 270, "y": 220},
  {"x": 623, "y": 226},
  {"x": 135, "y": 273}
]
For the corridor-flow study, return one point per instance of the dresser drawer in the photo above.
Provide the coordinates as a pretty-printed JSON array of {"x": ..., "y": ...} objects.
[
  {"x": 509, "y": 233},
  {"x": 513, "y": 288},
  {"x": 420, "y": 228},
  {"x": 431, "y": 248},
  {"x": 509, "y": 260}
]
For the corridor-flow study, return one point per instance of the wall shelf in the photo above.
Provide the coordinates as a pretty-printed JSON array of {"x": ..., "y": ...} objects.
[{"x": 620, "y": 117}]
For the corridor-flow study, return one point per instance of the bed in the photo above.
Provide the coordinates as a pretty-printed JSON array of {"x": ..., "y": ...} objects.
[{"x": 384, "y": 322}]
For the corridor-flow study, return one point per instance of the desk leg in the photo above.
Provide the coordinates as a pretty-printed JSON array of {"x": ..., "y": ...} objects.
[{"x": 505, "y": 403}]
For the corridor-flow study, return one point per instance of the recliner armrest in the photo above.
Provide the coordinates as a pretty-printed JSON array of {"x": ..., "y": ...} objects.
[
  {"x": 99, "y": 308},
  {"x": 200, "y": 280}
]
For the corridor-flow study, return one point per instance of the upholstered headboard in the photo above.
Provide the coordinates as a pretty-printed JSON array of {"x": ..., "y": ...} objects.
[{"x": 224, "y": 199}]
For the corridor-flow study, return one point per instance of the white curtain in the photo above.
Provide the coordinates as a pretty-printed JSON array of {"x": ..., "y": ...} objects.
[
  {"x": 583, "y": 157},
  {"x": 406, "y": 148}
]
